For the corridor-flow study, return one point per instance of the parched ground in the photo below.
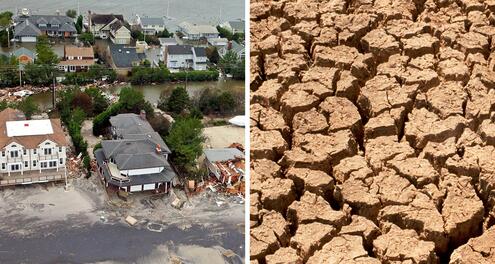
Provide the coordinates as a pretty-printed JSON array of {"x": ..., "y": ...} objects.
[{"x": 372, "y": 131}]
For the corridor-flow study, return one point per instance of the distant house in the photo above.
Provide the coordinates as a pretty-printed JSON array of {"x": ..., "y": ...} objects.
[
  {"x": 218, "y": 42},
  {"x": 24, "y": 56},
  {"x": 77, "y": 59},
  {"x": 196, "y": 32},
  {"x": 119, "y": 33},
  {"x": 235, "y": 47},
  {"x": 235, "y": 26},
  {"x": 151, "y": 25},
  {"x": 167, "y": 42},
  {"x": 99, "y": 24},
  {"x": 226, "y": 164},
  {"x": 182, "y": 57},
  {"x": 32, "y": 151},
  {"x": 27, "y": 27},
  {"x": 136, "y": 159},
  {"x": 124, "y": 57}
]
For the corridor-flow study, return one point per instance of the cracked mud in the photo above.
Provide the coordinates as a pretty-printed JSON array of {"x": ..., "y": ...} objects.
[{"x": 372, "y": 131}]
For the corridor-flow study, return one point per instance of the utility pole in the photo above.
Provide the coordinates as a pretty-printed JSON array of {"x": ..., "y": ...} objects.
[
  {"x": 78, "y": 8},
  {"x": 20, "y": 77},
  {"x": 53, "y": 90}
]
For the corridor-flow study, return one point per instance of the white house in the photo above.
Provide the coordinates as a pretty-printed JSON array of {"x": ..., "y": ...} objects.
[
  {"x": 98, "y": 24},
  {"x": 119, "y": 33},
  {"x": 226, "y": 164},
  {"x": 235, "y": 26},
  {"x": 235, "y": 47},
  {"x": 182, "y": 57},
  {"x": 31, "y": 150},
  {"x": 136, "y": 159},
  {"x": 151, "y": 25},
  {"x": 195, "y": 32}
]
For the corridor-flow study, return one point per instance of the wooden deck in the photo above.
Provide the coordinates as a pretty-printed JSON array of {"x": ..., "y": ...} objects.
[{"x": 29, "y": 177}]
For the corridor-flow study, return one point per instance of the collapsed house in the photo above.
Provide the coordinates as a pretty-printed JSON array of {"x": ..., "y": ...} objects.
[{"x": 226, "y": 164}]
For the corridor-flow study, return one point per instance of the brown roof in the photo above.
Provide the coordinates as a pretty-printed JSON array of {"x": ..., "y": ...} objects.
[
  {"x": 29, "y": 142},
  {"x": 77, "y": 62},
  {"x": 79, "y": 51}
]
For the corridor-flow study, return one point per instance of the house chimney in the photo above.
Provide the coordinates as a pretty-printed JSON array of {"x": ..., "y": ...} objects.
[
  {"x": 142, "y": 114},
  {"x": 158, "y": 149}
]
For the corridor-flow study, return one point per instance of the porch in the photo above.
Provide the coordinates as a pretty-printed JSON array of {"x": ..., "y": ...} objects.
[{"x": 33, "y": 176}]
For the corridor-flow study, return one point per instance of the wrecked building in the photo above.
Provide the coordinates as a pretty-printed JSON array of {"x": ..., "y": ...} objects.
[{"x": 226, "y": 164}]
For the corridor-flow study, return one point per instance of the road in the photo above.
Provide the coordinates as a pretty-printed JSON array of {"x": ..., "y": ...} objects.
[{"x": 45, "y": 224}]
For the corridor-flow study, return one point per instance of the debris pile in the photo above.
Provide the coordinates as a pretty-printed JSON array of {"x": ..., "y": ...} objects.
[{"x": 372, "y": 131}]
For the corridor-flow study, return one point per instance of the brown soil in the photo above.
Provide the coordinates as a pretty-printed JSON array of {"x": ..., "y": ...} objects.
[{"x": 372, "y": 131}]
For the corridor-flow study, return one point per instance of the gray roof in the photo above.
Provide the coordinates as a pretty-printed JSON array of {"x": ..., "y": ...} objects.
[
  {"x": 166, "y": 175},
  {"x": 123, "y": 56},
  {"x": 179, "y": 49},
  {"x": 167, "y": 41},
  {"x": 116, "y": 25},
  {"x": 23, "y": 51},
  {"x": 130, "y": 126},
  {"x": 133, "y": 154},
  {"x": 66, "y": 24},
  {"x": 223, "y": 154},
  {"x": 26, "y": 29},
  {"x": 103, "y": 19},
  {"x": 237, "y": 48},
  {"x": 200, "y": 51},
  {"x": 146, "y": 21},
  {"x": 237, "y": 25}
]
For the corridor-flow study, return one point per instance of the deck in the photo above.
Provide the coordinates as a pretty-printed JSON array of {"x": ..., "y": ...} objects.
[{"x": 29, "y": 177}]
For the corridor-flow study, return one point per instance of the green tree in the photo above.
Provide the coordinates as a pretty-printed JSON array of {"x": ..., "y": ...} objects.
[
  {"x": 45, "y": 53},
  {"x": 224, "y": 33},
  {"x": 228, "y": 61},
  {"x": 87, "y": 38},
  {"x": 71, "y": 13},
  {"x": 137, "y": 35},
  {"x": 238, "y": 71},
  {"x": 37, "y": 74},
  {"x": 28, "y": 106},
  {"x": 186, "y": 141},
  {"x": 100, "y": 102},
  {"x": 226, "y": 102},
  {"x": 79, "y": 24},
  {"x": 5, "y": 26},
  {"x": 178, "y": 101},
  {"x": 212, "y": 54}
]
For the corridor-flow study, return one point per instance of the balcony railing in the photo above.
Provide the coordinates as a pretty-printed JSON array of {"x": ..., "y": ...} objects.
[{"x": 48, "y": 157}]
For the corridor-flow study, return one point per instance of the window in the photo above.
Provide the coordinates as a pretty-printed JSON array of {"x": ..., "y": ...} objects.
[
  {"x": 48, "y": 151},
  {"x": 14, "y": 154},
  {"x": 3, "y": 153},
  {"x": 26, "y": 164},
  {"x": 59, "y": 149},
  {"x": 61, "y": 161},
  {"x": 34, "y": 151},
  {"x": 24, "y": 152},
  {"x": 52, "y": 164},
  {"x": 34, "y": 163},
  {"x": 15, "y": 167},
  {"x": 3, "y": 166},
  {"x": 43, "y": 164},
  {"x": 14, "y": 146}
]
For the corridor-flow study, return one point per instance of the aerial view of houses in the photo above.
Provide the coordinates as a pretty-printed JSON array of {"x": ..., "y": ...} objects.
[{"x": 118, "y": 126}]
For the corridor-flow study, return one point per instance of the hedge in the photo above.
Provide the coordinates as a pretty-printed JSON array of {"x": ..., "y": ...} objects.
[
  {"x": 210, "y": 75},
  {"x": 102, "y": 120}
]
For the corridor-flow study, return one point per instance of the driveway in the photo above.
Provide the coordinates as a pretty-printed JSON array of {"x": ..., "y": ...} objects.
[{"x": 87, "y": 133}]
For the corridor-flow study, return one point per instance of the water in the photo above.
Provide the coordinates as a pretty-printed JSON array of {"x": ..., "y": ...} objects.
[
  {"x": 152, "y": 92},
  {"x": 198, "y": 11}
]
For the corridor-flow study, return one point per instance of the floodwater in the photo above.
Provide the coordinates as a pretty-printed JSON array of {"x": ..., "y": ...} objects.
[
  {"x": 152, "y": 92},
  {"x": 116, "y": 243},
  {"x": 197, "y": 11}
]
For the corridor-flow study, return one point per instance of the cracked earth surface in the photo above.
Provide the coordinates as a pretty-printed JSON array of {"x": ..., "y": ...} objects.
[{"x": 372, "y": 131}]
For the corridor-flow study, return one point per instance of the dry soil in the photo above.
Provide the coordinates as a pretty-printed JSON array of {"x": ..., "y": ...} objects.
[{"x": 372, "y": 131}]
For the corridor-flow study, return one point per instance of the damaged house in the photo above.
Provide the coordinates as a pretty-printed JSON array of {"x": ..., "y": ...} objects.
[
  {"x": 226, "y": 164},
  {"x": 136, "y": 159}
]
